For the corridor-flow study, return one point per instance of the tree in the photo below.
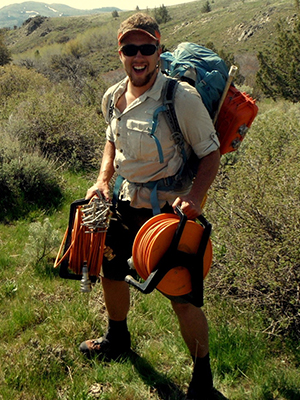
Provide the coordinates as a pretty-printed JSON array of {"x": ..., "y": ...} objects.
[
  {"x": 206, "y": 7},
  {"x": 5, "y": 55},
  {"x": 279, "y": 73},
  {"x": 161, "y": 14}
]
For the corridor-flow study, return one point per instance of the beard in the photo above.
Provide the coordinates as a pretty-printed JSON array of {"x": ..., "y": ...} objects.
[{"x": 142, "y": 81}]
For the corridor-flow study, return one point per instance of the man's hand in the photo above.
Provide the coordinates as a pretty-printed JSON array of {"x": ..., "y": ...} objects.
[
  {"x": 103, "y": 189},
  {"x": 191, "y": 208}
]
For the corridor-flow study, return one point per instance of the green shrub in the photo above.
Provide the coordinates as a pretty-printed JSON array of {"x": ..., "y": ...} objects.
[
  {"x": 15, "y": 84},
  {"x": 278, "y": 76},
  {"x": 15, "y": 80},
  {"x": 42, "y": 240},
  {"x": 255, "y": 210},
  {"x": 27, "y": 180},
  {"x": 5, "y": 54},
  {"x": 59, "y": 128}
]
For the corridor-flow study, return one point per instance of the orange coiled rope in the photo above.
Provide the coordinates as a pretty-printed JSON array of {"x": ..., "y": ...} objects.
[
  {"x": 151, "y": 243},
  {"x": 87, "y": 238}
]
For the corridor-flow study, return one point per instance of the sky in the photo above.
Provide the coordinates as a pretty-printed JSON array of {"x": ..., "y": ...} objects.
[{"x": 90, "y": 4}]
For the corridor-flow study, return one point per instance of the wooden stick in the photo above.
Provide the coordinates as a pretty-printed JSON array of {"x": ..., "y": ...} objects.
[{"x": 231, "y": 75}]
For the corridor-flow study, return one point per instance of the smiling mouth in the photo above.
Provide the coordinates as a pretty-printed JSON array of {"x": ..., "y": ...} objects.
[{"x": 139, "y": 68}]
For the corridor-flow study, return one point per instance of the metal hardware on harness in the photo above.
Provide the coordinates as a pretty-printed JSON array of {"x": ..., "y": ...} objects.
[
  {"x": 173, "y": 258},
  {"x": 85, "y": 283},
  {"x": 96, "y": 214}
]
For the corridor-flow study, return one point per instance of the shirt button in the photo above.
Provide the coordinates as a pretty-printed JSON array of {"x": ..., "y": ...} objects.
[
  {"x": 121, "y": 150},
  {"x": 118, "y": 134},
  {"x": 117, "y": 166}
]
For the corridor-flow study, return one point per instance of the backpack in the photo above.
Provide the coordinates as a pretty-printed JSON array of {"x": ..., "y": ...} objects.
[
  {"x": 200, "y": 67},
  {"x": 232, "y": 111}
]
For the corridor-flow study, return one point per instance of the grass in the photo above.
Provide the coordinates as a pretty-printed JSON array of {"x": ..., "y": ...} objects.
[{"x": 44, "y": 318}]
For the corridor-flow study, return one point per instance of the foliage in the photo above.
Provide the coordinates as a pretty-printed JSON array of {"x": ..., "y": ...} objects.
[
  {"x": 256, "y": 211},
  {"x": 58, "y": 127},
  {"x": 42, "y": 240},
  {"x": 161, "y": 14},
  {"x": 279, "y": 73},
  {"x": 48, "y": 120},
  {"x": 15, "y": 80},
  {"x": 5, "y": 54},
  {"x": 27, "y": 180},
  {"x": 44, "y": 318},
  {"x": 206, "y": 8}
]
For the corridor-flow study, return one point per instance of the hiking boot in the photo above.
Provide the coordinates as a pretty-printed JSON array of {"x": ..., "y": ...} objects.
[
  {"x": 106, "y": 348},
  {"x": 195, "y": 393}
]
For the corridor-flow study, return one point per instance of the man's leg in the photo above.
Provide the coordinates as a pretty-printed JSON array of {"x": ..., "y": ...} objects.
[
  {"x": 117, "y": 299},
  {"x": 117, "y": 337},
  {"x": 194, "y": 330}
]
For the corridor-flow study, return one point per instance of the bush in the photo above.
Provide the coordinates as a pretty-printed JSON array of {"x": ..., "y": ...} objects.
[
  {"x": 161, "y": 14},
  {"x": 5, "y": 54},
  {"x": 279, "y": 73},
  {"x": 42, "y": 241},
  {"x": 27, "y": 180},
  {"x": 59, "y": 128},
  {"x": 15, "y": 83},
  {"x": 255, "y": 210}
]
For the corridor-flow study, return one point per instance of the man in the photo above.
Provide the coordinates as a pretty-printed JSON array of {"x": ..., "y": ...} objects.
[{"x": 132, "y": 150}]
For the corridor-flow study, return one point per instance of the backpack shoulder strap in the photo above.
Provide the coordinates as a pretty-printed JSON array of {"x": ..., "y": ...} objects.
[{"x": 171, "y": 117}]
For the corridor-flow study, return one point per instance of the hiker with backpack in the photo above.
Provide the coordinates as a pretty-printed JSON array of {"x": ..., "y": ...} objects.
[{"x": 142, "y": 149}]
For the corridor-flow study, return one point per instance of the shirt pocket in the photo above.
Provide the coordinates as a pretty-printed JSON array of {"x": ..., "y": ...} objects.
[{"x": 140, "y": 144}]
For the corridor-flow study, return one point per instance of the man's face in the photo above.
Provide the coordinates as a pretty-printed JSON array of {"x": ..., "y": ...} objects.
[{"x": 141, "y": 69}]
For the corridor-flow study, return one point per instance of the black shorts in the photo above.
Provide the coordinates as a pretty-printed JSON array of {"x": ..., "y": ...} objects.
[{"x": 124, "y": 225}]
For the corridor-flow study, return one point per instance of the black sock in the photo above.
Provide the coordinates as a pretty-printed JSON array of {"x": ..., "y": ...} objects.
[
  {"x": 202, "y": 375},
  {"x": 116, "y": 329}
]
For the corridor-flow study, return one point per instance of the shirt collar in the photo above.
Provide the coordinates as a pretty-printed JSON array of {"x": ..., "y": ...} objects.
[{"x": 155, "y": 91}]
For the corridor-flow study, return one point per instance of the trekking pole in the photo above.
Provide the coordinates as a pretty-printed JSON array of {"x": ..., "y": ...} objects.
[{"x": 231, "y": 75}]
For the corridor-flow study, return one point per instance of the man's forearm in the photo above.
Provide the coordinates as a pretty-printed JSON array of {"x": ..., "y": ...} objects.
[
  {"x": 107, "y": 165},
  {"x": 106, "y": 172}
]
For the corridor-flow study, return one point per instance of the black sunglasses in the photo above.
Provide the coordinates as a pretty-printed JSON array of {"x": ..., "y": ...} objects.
[{"x": 131, "y": 50}]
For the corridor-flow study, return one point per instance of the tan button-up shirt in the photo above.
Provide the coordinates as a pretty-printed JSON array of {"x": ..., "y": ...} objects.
[{"x": 137, "y": 156}]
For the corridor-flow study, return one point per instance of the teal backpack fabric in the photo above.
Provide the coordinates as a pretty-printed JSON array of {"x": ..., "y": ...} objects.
[{"x": 199, "y": 66}]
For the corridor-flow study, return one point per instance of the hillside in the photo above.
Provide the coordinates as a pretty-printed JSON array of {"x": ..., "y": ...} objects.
[
  {"x": 52, "y": 135},
  {"x": 15, "y": 14},
  {"x": 240, "y": 28}
]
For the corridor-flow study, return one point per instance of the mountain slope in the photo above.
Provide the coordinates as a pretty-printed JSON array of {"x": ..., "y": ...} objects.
[
  {"x": 15, "y": 14},
  {"x": 240, "y": 28}
]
